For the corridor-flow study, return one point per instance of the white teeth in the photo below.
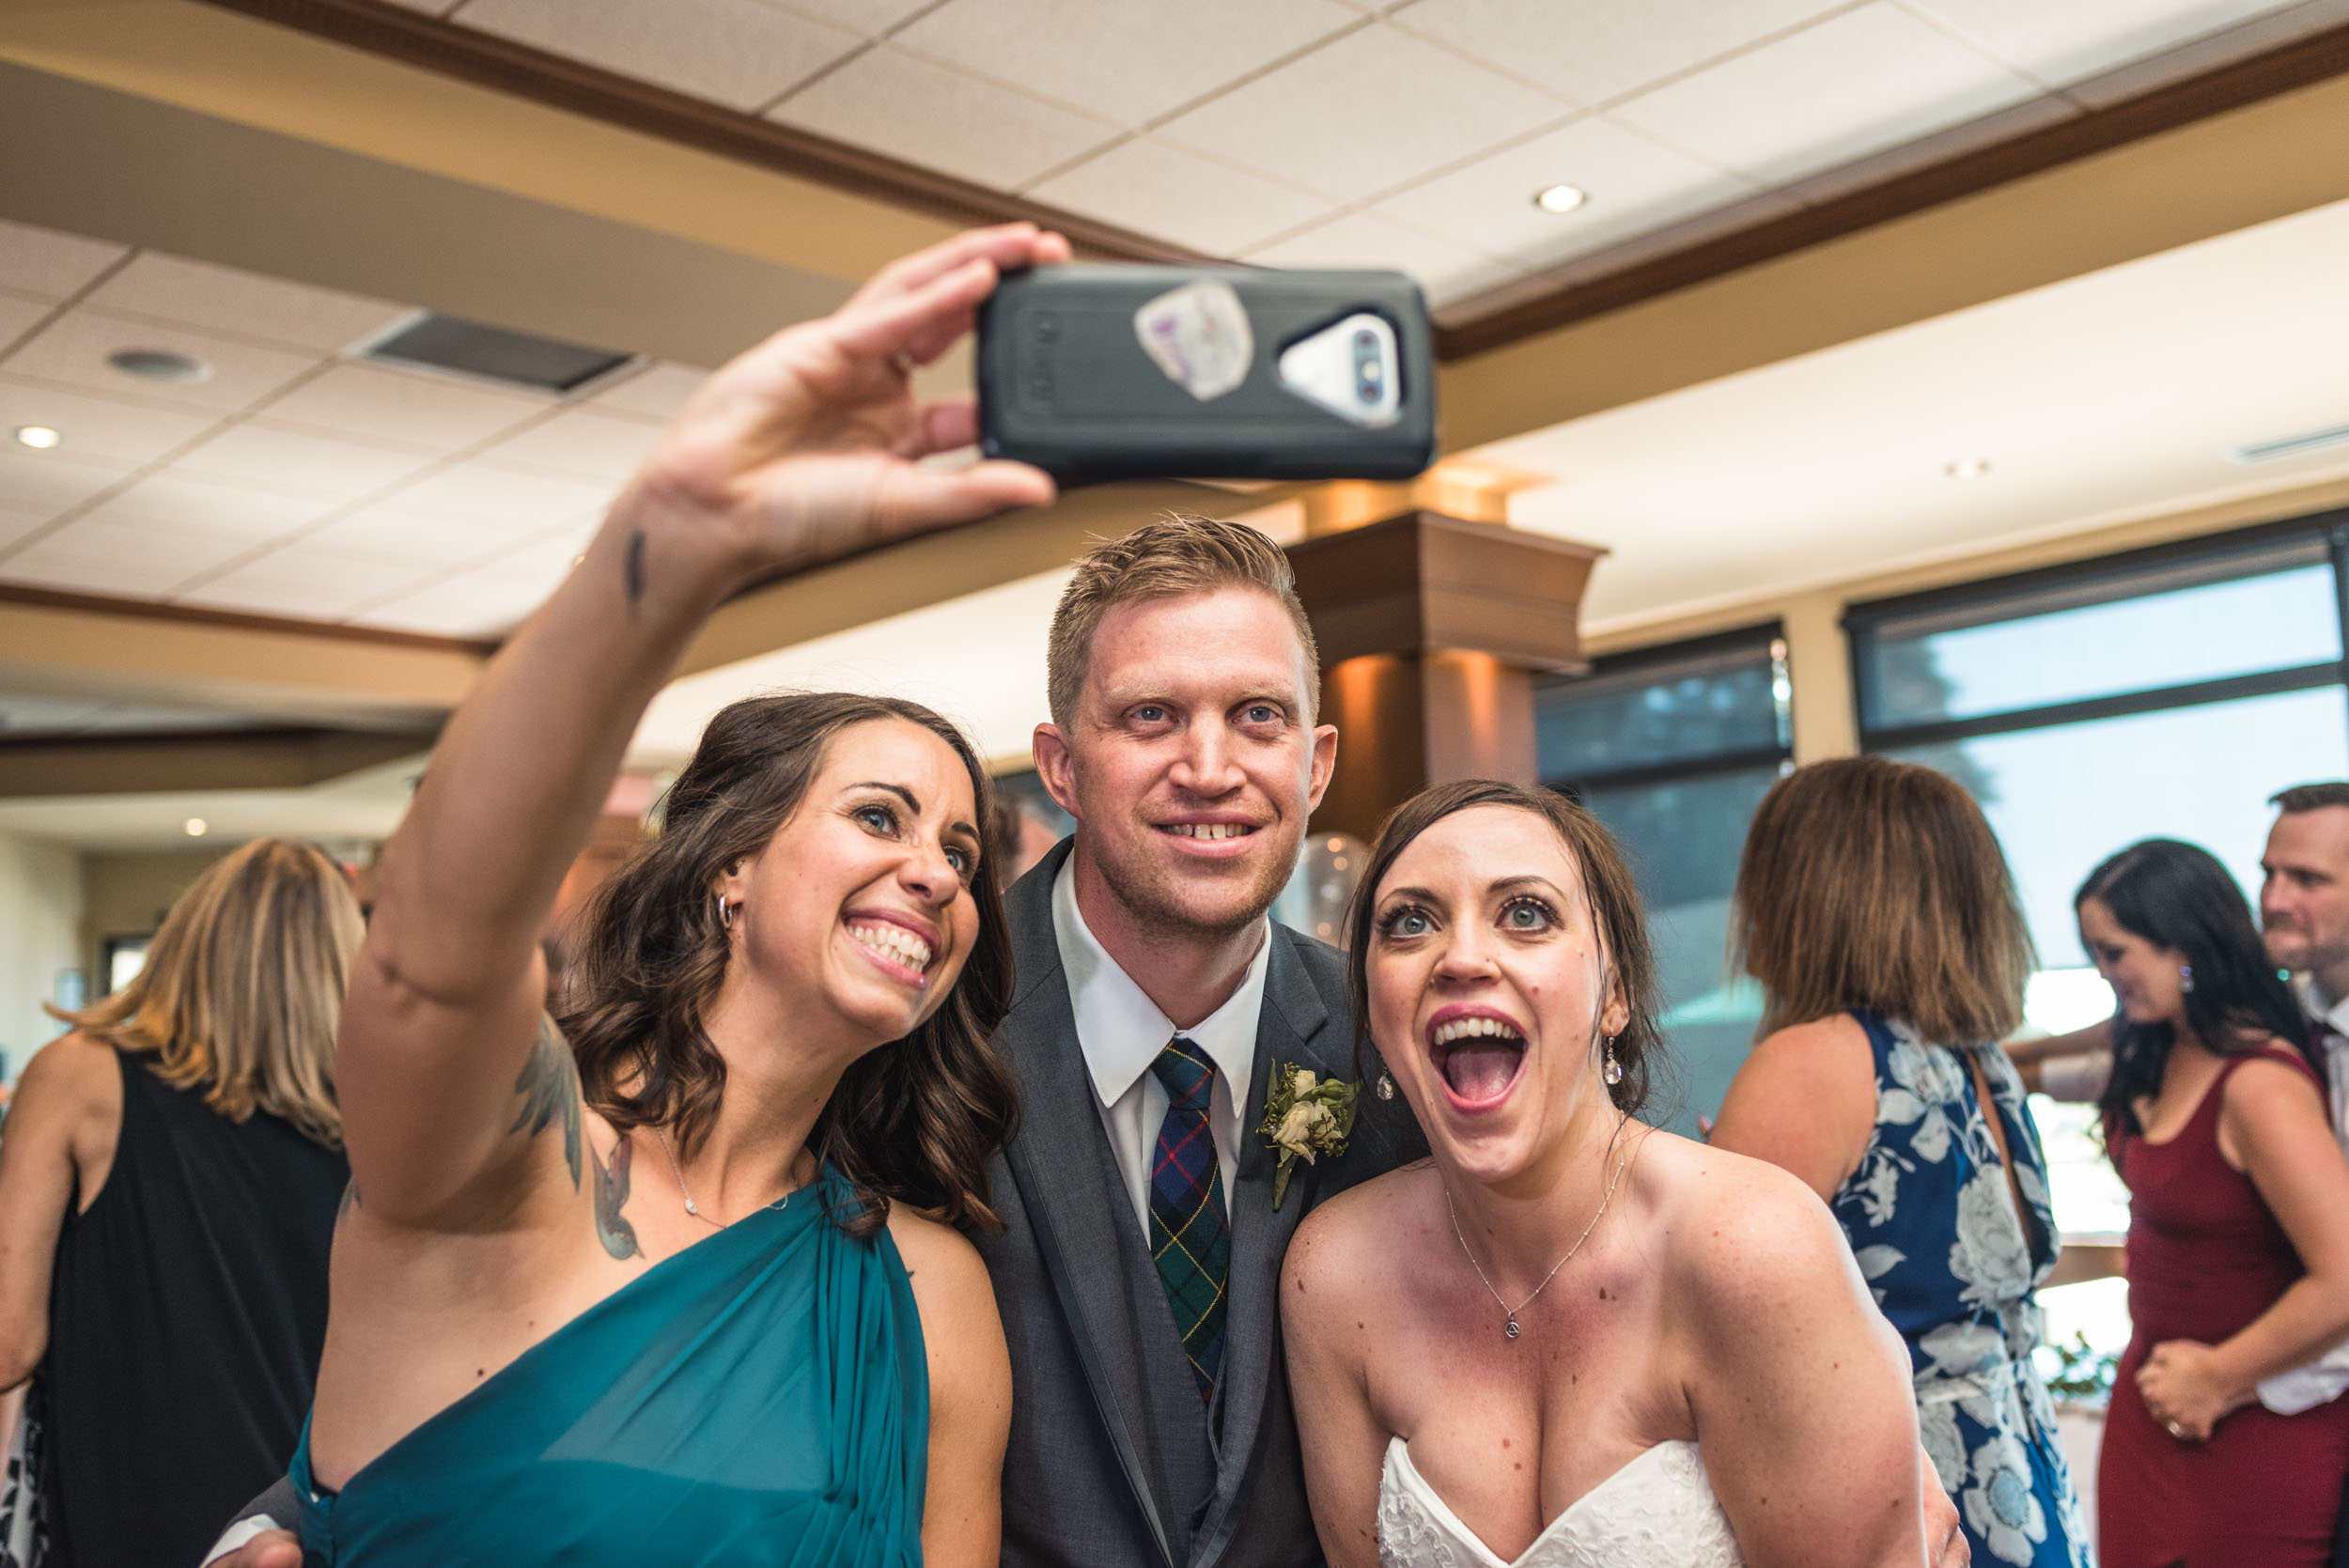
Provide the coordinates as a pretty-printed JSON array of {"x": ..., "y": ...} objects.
[
  {"x": 894, "y": 942},
  {"x": 1209, "y": 830},
  {"x": 1461, "y": 1029}
]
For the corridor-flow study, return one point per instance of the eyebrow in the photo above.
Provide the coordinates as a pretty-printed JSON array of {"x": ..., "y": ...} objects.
[
  {"x": 902, "y": 793},
  {"x": 1506, "y": 884}
]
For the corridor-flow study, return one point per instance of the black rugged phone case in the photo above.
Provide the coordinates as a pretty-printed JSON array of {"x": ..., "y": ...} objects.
[{"x": 1065, "y": 383}]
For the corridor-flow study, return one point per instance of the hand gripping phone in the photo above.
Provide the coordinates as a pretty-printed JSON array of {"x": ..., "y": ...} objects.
[{"x": 1130, "y": 372}]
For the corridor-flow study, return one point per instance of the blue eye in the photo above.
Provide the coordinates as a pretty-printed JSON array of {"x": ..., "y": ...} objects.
[
  {"x": 1528, "y": 914},
  {"x": 960, "y": 860},
  {"x": 879, "y": 818},
  {"x": 1409, "y": 921}
]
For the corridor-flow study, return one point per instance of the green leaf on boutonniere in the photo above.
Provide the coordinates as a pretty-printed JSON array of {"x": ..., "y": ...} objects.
[{"x": 1305, "y": 1116}]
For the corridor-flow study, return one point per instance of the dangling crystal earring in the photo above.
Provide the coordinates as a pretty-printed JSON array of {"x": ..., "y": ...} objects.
[
  {"x": 2186, "y": 977},
  {"x": 1614, "y": 1067},
  {"x": 1386, "y": 1087}
]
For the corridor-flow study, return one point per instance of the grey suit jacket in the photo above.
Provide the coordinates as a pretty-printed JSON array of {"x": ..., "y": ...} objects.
[{"x": 1114, "y": 1461}]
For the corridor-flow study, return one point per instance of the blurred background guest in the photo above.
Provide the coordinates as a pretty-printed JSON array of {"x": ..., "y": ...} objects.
[
  {"x": 168, "y": 1188},
  {"x": 2238, "y": 1227},
  {"x": 1874, "y": 907}
]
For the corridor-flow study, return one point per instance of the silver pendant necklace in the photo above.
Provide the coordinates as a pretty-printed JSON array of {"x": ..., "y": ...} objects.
[
  {"x": 695, "y": 1209},
  {"x": 1510, "y": 1330}
]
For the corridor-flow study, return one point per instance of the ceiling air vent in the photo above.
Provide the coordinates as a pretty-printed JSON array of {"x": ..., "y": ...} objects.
[
  {"x": 428, "y": 342},
  {"x": 2291, "y": 447}
]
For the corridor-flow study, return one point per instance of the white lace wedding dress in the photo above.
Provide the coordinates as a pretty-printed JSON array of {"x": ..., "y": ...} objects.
[{"x": 1657, "y": 1512}]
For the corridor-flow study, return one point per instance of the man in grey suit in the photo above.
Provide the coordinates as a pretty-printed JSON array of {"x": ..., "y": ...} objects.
[{"x": 1154, "y": 1003}]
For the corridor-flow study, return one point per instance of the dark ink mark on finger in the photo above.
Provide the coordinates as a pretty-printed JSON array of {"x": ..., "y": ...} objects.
[{"x": 634, "y": 568}]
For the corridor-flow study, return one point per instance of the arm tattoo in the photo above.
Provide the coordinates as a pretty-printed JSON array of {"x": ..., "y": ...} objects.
[
  {"x": 634, "y": 566},
  {"x": 617, "y": 1235},
  {"x": 548, "y": 1086}
]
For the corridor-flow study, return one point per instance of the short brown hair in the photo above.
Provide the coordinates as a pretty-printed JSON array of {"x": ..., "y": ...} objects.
[
  {"x": 2309, "y": 797},
  {"x": 242, "y": 988},
  {"x": 1178, "y": 554},
  {"x": 914, "y": 1121},
  {"x": 1869, "y": 883},
  {"x": 1606, "y": 886}
]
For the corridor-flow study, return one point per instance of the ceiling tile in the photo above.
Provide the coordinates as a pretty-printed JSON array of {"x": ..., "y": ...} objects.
[
  {"x": 656, "y": 392},
  {"x": 98, "y": 427},
  {"x": 892, "y": 103},
  {"x": 121, "y": 558},
  {"x": 1849, "y": 86},
  {"x": 1363, "y": 114},
  {"x": 1360, "y": 240},
  {"x": 72, "y": 350},
  {"x": 328, "y": 466},
  {"x": 20, "y": 315},
  {"x": 43, "y": 262},
  {"x": 437, "y": 414},
  {"x": 2059, "y": 44},
  {"x": 16, "y": 521},
  {"x": 46, "y": 483},
  {"x": 584, "y": 442},
  {"x": 1632, "y": 183},
  {"x": 241, "y": 304},
  {"x": 512, "y": 500},
  {"x": 207, "y": 507},
  {"x": 1595, "y": 49},
  {"x": 737, "y": 53},
  {"x": 397, "y": 537},
  {"x": 1125, "y": 60},
  {"x": 1155, "y": 189},
  {"x": 303, "y": 579},
  {"x": 479, "y": 603},
  {"x": 866, "y": 17}
]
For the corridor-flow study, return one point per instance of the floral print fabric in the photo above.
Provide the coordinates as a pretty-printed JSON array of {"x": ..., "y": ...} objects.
[{"x": 1935, "y": 1232}]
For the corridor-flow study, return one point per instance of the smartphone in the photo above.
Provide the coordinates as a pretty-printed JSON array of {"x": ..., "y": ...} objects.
[{"x": 1096, "y": 372}]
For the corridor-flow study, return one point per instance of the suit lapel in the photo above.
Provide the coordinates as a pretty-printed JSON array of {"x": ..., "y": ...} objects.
[
  {"x": 1293, "y": 1030},
  {"x": 1078, "y": 1203}
]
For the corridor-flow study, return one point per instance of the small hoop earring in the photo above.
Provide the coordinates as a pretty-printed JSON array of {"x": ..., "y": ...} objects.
[
  {"x": 1614, "y": 1067},
  {"x": 725, "y": 913},
  {"x": 2186, "y": 977}
]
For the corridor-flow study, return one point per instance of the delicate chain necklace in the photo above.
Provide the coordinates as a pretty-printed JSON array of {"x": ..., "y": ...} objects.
[
  {"x": 691, "y": 1207},
  {"x": 1512, "y": 1330}
]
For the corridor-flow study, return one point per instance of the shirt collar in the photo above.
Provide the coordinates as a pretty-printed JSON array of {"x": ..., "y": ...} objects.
[
  {"x": 1121, "y": 1030},
  {"x": 2332, "y": 1015}
]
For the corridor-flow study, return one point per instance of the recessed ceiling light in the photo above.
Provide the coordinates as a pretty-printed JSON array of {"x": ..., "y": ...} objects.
[
  {"x": 196, "y": 827},
  {"x": 39, "y": 437},
  {"x": 159, "y": 364},
  {"x": 1559, "y": 198},
  {"x": 1965, "y": 468}
]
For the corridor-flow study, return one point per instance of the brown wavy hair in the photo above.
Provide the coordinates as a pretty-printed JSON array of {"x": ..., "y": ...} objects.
[
  {"x": 914, "y": 1121},
  {"x": 1871, "y": 883},
  {"x": 242, "y": 988},
  {"x": 1608, "y": 888}
]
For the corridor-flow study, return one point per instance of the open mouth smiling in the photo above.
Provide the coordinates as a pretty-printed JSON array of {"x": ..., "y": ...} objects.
[
  {"x": 1478, "y": 1053},
  {"x": 898, "y": 947},
  {"x": 1202, "y": 836}
]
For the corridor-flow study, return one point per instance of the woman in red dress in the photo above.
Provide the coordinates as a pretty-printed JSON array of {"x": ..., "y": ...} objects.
[{"x": 2238, "y": 1229}]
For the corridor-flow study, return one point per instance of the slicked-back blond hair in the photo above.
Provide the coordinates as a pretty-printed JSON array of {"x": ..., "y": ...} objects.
[
  {"x": 242, "y": 988},
  {"x": 1178, "y": 554},
  {"x": 1869, "y": 883}
]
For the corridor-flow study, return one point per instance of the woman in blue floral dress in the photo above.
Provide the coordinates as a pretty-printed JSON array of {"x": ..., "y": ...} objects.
[{"x": 1873, "y": 905}]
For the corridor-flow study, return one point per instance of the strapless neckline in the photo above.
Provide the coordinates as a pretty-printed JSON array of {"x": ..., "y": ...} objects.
[{"x": 1658, "y": 1511}]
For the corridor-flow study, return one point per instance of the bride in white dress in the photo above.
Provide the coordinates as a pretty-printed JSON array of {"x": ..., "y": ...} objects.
[{"x": 1568, "y": 1340}]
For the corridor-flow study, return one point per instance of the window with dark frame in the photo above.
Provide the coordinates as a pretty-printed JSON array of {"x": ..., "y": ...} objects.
[{"x": 1673, "y": 748}]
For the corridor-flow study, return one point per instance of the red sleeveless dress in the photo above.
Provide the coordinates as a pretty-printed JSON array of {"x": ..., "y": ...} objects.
[{"x": 2205, "y": 1258}]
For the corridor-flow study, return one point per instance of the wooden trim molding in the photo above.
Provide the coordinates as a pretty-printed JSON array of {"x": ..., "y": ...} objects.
[
  {"x": 2302, "y": 63},
  {"x": 192, "y": 614},
  {"x": 485, "y": 59}
]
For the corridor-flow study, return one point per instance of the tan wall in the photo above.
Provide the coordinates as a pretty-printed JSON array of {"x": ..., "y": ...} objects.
[
  {"x": 40, "y": 907},
  {"x": 125, "y": 895}
]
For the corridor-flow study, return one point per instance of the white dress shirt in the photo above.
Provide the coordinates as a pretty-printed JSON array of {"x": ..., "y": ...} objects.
[
  {"x": 1121, "y": 1032},
  {"x": 2321, "y": 1381}
]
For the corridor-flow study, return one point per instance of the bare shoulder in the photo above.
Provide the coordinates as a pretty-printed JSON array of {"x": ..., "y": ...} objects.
[
  {"x": 1742, "y": 1236},
  {"x": 1833, "y": 1045},
  {"x": 1337, "y": 1250},
  {"x": 2272, "y": 1079},
  {"x": 939, "y": 1259},
  {"x": 962, "y": 1333},
  {"x": 73, "y": 1076}
]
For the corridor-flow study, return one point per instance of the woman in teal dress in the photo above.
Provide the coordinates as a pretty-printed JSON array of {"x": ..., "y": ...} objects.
[
  {"x": 680, "y": 1282},
  {"x": 1873, "y": 905}
]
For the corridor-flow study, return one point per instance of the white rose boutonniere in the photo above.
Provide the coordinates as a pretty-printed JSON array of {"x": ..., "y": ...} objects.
[{"x": 1305, "y": 1116}]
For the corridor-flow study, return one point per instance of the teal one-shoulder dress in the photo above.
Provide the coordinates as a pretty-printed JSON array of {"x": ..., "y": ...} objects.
[{"x": 761, "y": 1397}]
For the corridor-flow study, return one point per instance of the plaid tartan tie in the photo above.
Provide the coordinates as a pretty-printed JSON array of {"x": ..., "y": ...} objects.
[{"x": 1190, "y": 1235}]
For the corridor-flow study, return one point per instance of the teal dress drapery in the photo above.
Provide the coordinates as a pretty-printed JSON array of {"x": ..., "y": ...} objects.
[{"x": 759, "y": 1397}]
